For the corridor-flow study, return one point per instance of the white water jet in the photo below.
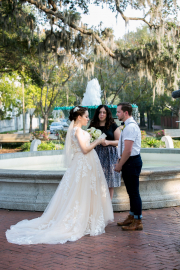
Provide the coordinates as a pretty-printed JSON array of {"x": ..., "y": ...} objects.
[{"x": 92, "y": 96}]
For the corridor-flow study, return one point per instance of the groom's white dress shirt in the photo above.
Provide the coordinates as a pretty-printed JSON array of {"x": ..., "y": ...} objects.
[{"x": 131, "y": 132}]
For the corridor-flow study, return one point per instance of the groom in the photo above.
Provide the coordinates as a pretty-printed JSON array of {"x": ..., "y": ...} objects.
[{"x": 130, "y": 164}]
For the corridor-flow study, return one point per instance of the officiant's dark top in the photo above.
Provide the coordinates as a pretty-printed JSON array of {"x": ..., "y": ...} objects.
[{"x": 109, "y": 132}]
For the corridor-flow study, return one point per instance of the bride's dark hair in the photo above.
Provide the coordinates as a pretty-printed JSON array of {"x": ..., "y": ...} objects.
[
  {"x": 109, "y": 119},
  {"x": 76, "y": 111}
]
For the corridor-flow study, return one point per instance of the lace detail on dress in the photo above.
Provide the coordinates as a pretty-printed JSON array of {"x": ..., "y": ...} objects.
[
  {"x": 103, "y": 186},
  {"x": 96, "y": 227},
  {"x": 65, "y": 183},
  {"x": 82, "y": 167},
  {"x": 100, "y": 224},
  {"x": 75, "y": 144},
  {"x": 104, "y": 190},
  {"x": 47, "y": 225},
  {"x": 93, "y": 183},
  {"x": 72, "y": 220},
  {"x": 97, "y": 164}
]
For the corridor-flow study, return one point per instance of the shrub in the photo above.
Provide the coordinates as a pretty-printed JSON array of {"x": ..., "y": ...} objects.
[
  {"x": 46, "y": 146},
  {"x": 143, "y": 134},
  {"x": 176, "y": 143},
  {"x": 160, "y": 144},
  {"x": 42, "y": 135},
  {"x": 25, "y": 147},
  {"x": 159, "y": 133},
  {"x": 61, "y": 134},
  {"x": 59, "y": 146},
  {"x": 151, "y": 142}
]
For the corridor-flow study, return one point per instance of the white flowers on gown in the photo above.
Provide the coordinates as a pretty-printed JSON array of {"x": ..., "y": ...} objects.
[{"x": 81, "y": 204}]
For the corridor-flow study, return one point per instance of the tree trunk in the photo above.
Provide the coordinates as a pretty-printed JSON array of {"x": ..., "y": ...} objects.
[
  {"x": 67, "y": 99},
  {"x": 149, "y": 121},
  {"x": 24, "y": 121},
  {"x": 179, "y": 117},
  {"x": 105, "y": 99},
  {"x": 142, "y": 119},
  {"x": 45, "y": 121},
  {"x": 30, "y": 128}
]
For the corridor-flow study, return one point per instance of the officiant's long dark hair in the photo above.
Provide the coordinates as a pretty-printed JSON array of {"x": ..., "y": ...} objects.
[{"x": 95, "y": 120}]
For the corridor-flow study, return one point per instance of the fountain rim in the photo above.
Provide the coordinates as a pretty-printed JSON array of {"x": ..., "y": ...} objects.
[
  {"x": 32, "y": 189},
  {"x": 41, "y": 173},
  {"x": 59, "y": 152}
]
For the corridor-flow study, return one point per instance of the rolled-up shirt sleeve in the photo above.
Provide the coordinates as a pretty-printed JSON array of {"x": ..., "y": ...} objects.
[{"x": 130, "y": 133}]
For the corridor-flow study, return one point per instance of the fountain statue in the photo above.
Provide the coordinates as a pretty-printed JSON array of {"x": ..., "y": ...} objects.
[{"x": 92, "y": 96}]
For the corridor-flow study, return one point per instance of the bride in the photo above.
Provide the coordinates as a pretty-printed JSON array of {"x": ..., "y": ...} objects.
[{"x": 81, "y": 204}]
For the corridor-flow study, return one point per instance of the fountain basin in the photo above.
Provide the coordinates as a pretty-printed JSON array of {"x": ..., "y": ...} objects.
[{"x": 28, "y": 180}]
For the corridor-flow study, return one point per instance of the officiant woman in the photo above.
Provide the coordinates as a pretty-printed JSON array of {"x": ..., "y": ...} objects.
[{"x": 107, "y": 151}]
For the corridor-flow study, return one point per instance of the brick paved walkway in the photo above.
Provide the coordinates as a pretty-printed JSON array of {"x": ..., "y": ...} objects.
[{"x": 155, "y": 248}]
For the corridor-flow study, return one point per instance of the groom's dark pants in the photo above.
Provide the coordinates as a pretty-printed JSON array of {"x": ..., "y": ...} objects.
[{"x": 130, "y": 174}]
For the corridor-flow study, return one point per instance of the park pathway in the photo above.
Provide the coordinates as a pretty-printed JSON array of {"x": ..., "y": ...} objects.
[{"x": 157, "y": 247}]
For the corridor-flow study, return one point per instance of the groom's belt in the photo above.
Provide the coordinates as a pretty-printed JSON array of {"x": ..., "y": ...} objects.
[{"x": 134, "y": 157}]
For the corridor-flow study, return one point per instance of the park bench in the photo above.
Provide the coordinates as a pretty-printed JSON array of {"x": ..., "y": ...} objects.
[
  {"x": 10, "y": 138},
  {"x": 168, "y": 135}
]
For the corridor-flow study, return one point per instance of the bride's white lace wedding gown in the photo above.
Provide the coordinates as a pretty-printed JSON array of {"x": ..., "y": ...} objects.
[{"x": 81, "y": 204}]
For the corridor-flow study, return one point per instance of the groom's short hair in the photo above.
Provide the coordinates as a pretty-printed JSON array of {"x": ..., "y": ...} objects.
[{"x": 126, "y": 106}]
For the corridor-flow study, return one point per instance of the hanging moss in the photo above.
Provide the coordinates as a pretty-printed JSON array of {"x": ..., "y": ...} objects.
[{"x": 156, "y": 58}]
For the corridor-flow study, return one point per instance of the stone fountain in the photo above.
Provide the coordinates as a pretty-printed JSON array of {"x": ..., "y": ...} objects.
[{"x": 28, "y": 180}]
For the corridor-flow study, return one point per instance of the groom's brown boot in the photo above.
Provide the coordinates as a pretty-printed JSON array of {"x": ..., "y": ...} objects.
[
  {"x": 136, "y": 225},
  {"x": 127, "y": 221}
]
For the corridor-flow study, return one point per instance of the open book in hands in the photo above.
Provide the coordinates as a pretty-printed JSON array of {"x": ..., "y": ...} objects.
[{"x": 103, "y": 136}]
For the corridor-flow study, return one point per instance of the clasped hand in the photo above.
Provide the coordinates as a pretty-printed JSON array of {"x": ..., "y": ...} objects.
[
  {"x": 105, "y": 143},
  {"x": 101, "y": 141},
  {"x": 117, "y": 167}
]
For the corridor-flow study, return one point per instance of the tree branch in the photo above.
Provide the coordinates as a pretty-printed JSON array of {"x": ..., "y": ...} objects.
[
  {"x": 71, "y": 24},
  {"x": 145, "y": 88},
  {"x": 62, "y": 84},
  {"x": 51, "y": 2},
  {"x": 118, "y": 90},
  {"x": 131, "y": 18}
]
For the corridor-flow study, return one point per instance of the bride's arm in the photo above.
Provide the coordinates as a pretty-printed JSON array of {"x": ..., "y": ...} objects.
[{"x": 83, "y": 143}]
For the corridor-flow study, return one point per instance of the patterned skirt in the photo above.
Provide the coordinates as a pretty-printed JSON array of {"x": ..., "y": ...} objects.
[{"x": 108, "y": 156}]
